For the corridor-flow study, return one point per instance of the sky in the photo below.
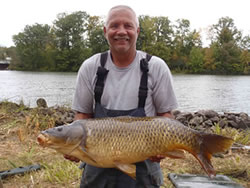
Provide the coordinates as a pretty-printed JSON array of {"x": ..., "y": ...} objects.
[{"x": 16, "y": 14}]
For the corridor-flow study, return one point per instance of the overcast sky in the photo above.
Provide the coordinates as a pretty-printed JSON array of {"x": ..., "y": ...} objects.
[{"x": 16, "y": 14}]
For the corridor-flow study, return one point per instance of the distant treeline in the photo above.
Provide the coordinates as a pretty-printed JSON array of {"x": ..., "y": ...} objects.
[{"x": 74, "y": 37}]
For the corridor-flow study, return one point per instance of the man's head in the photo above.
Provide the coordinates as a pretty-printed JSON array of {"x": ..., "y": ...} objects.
[
  {"x": 121, "y": 29},
  {"x": 122, "y": 7}
]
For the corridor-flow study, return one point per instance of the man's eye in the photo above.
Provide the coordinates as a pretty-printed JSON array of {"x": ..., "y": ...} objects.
[
  {"x": 114, "y": 26},
  {"x": 128, "y": 25}
]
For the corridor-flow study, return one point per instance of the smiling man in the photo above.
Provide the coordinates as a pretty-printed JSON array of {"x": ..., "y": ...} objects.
[
  {"x": 120, "y": 82},
  {"x": 121, "y": 31}
]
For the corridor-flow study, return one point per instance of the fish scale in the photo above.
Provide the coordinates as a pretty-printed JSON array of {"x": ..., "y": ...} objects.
[
  {"x": 120, "y": 142},
  {"x": 148, "y": 142}
]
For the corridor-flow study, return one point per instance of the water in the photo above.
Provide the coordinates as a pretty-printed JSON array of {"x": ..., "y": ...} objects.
[
  {"x": 194, "y": 92},
  {"x": 56, "y": 88},
  {"x": 220, "y": 93}
]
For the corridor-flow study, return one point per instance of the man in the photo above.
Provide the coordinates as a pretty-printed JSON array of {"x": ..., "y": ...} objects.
[{"x": 123, "y": 81}]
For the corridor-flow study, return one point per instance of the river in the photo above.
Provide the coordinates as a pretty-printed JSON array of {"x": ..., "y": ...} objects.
[{"x": 194, "y": 92}]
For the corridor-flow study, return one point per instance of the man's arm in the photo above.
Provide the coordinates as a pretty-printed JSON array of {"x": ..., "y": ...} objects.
[
  {"x": 166, "y": 114},
  {"x": 78, "y": 116}
]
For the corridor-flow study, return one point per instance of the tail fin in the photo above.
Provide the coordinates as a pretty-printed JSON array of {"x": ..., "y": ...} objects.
[{"x": 210, "y": 144}]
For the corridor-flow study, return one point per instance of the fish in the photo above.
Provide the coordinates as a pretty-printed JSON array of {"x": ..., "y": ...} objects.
[{"x": 120, "y": 142}]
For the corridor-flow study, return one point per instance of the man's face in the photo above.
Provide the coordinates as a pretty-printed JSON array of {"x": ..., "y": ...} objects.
[{"x": 121, "y": 31}]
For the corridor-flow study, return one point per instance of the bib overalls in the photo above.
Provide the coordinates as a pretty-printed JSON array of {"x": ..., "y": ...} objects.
[{"x": 148, "y": 173}]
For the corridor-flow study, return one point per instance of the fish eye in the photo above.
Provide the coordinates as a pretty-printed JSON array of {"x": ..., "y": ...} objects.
[{"x": 59, "y": 129}]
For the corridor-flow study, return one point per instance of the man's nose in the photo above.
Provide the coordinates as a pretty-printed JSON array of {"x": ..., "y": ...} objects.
[{"x": 121, "y": 30}]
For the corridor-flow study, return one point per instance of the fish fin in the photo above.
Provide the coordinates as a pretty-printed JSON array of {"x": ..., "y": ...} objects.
[
  {"x": 129, "y": 169},
  {"x": 74, "y": 148},
  {"x": 175, "y": 154},
  {"x": 210, "y": 144},
  {"x": 87, "y": 155},
  {"x": 91, "y": 158}
]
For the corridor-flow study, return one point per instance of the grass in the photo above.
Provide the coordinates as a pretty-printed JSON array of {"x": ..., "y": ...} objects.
[
  {"x": 19, "y": 127},
  {"x": 239, "y": 136}
]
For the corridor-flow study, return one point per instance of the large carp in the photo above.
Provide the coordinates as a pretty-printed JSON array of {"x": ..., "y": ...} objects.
[{"x": 122, "y": 141}]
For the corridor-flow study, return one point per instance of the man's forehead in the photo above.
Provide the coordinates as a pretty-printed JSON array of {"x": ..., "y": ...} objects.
[
  {"x": 115, "y": 13},
  {"x": 121, "y": 10}
]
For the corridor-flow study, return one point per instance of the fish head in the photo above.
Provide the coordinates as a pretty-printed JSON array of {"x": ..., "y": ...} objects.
[{"x": 65, "y": 137}]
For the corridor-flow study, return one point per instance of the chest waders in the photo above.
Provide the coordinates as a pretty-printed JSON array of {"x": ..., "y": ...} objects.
[{"x": 148, "y": 173}]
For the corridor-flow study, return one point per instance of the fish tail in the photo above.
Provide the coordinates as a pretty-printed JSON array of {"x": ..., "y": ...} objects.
[{"x": 209, "y": 145}]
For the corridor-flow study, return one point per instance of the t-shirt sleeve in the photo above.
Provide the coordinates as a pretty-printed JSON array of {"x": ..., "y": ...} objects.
[
  {"x": 163, "y": 90},
  {"x": 83, "y": 96}
]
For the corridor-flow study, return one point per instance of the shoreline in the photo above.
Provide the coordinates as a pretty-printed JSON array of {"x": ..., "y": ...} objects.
[{"x": 200, "y": 120}]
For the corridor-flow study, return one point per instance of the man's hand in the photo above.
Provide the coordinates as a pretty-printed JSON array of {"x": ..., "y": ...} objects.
[
  {"x": 71, "y": 158},
  {"x": 157, "y": 158}
]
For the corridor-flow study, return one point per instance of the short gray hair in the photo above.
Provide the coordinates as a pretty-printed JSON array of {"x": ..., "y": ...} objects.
[{"x": 122, "y": 7}]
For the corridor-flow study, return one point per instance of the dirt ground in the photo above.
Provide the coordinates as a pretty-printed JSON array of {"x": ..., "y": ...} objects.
[{"x": 18, "y": 147}]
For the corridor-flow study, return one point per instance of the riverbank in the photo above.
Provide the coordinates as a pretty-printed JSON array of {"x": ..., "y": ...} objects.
[{"x": 19, "y": 126}]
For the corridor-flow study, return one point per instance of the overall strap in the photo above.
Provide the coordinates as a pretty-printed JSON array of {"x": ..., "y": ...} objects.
[
  {"x": 143, "y": 89},
  {"x": 101, "y": 75}
]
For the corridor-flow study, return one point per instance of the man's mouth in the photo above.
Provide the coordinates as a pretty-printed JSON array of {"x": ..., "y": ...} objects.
[{"x": 121, "y": 38}]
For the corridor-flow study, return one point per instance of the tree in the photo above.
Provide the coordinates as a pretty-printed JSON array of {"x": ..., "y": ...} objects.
[
  {"x": 245, "y": 60},
  {"x": 2, "y": 53},
  {"x": 195, "y": 63},
  {"x": 184, "y": 41},
  {"x": 163, "y": 30},
  {"x": 155, "y": 36},
  {"x": 96, "y": 40},
  {"x": 146, "y": 37},
  {"x": 70, "y": 30},
  {"x": 227, "y": 39},
  {"x": 209, "y": 60},
  {"x": 31, "y": 46},
  {"x": 245, "y": 43}
]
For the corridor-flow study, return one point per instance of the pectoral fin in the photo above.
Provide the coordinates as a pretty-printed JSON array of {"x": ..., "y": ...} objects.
[
  {"x": 176, "y": 154},
  {"x": 129, "y": 169},
  {"x": 91, "y": 158}
]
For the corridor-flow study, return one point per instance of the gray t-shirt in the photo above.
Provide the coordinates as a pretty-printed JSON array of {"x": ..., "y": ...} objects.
[{"x": 122, "y": 86}]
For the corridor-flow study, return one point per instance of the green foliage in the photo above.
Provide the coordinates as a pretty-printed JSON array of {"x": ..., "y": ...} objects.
[
  {"x": 2, "y": 53},
  {"x": 69, "y": 30},
  {"x": 146, "y": 38},
  {"x": 239, "y": 136},
  {"x": 195, "y": 63},
  {"x": 74, "y": 37},
  {"x": 58, "y": 173},
  {"x": 96, "y": 40},
  {"x": 209, "y": 65},
  {"x": 226, "y": 46},
  {"x": 31, "y": 45},
  {"x": 245, "y": 61}
]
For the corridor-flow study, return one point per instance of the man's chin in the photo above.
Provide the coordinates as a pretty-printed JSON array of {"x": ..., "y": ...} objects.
[{"x": 121, "y": 50}]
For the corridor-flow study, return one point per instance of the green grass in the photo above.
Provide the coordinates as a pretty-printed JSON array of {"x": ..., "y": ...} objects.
[
  {"x": 62, "y": 172},
  {"x": 239, "y": 136}
]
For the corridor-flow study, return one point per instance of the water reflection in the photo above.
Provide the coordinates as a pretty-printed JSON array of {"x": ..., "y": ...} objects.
[
  {"x": 221, "y": 93},
  {"x": 194, "y": 92}
]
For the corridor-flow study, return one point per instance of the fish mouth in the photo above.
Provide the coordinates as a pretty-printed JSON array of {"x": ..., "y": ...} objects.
[{"x": 42, "y": 140}]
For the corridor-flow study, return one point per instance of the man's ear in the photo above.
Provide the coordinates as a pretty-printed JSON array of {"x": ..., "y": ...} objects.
[
  {"x": 105, "y": 31},
  {"x": 138, "y": 31}
]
